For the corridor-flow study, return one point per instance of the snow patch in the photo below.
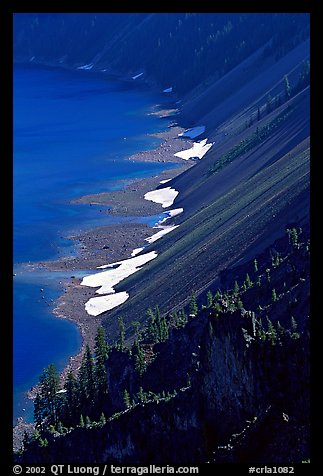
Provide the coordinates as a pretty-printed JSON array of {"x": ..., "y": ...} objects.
[
  {"x": 137, "y": 251},
  {"x": 199, "y": 149},
  {"x": 193, "y": 132},
  {"x": 86, "y": 66},
  {"x": 170, "y": 214},
  {"x": 165, "y": 181},
  {"x": 137, "y": 76},
  {"x": 117, "y": 272},
  {"x": 165, "y": 196},
  {"x": 168, "y": 90},
  {"x": 97, "y": 305},
  {"x": 161, "y": 233}
]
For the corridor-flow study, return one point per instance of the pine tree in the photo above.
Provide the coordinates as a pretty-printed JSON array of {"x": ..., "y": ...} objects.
[
  {"x": 158, "y": 323},
  {"x": 236, "y": 288},
  {"x": 81, "y": 421},
  {"x": 193, "y": 307},
  {"x": 152, "y": 328},
  {"x": 126, "y": 399},
  {"x": 255, "y": 264},
  {"x": 272, "y": 334},
  {"x": 101, "y": 357},
  {"x": 136, "y": 326},
  {"x": 164, "y": 330},
  {"x": 294, "y": 333},
  {"x": 218, "y": 294},
  {"x": 39, "y": 413},
  {"x": 87, "y": 421},
  {"x": 102, "y": 420},
  {"x": 71, "y": 407},
  {"x": 248, "y": 281},
  {"x": 209, "y": 299},
  {"x": 60, "y": 427},
  {"x": 122, "y": 334},
  {"x": 294, "y": 238},
  {"x": 87, "y": 381},
  {"x": 141, "y": 395},
  {"x": 48, "y": 402},
  {"x": 280, "y": 330},
  {"x": 274, "y": 295},
  {"x": 139, "y": 356}
]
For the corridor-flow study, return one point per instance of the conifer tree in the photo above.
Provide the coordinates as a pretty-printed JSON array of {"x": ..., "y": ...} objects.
[
  {"x": 136, "y": 326},
  {"x": 126, "y": 398},
  {"x": 294, "y": 333},
  {"x": 272, "y": 334},
  {"x": 87, "y": 421},
  {"x": 218, "y": 294},
  {"x": 87, "y": 381},
  {"x": 48, "y": 401},
  {"x": 102, "y": 420},
  {"x": 248, "y": 281},
  {"x": 274, "y": 295},
  {"x": 81, "y": 421},
  {"x": 121, "y": 343},
  {"x": 139, "y": 355},
  {"x": 152, "y": 328},
  {"x": 101, "y": 357},
  {"x": 294, "y": 238},
  {"x": 164, "y": 330},
  {"x": 39, "y": 413},
  {"x": 141, "y": 395},
  {"x": 255, "y": 264},
  {"x": 236, "y": 288},
  {"x": 71, "y": 407},
  {"x": 158, "y": 323},
  {"x": 209, "y": 299},
  {"x": 193, "y": 307},
  {"x": 280, "y": 330}
]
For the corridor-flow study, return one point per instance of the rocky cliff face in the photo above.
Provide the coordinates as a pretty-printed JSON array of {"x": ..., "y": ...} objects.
[{"x": 242, "y": 390}]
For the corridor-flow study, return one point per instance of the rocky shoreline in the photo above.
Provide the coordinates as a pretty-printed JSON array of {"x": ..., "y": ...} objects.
[{"x": 110, "y": 243}]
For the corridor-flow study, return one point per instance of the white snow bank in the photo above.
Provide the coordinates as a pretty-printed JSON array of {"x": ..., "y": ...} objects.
[
  {"x": 162, "y": 232},
  {"x": 199, "y": 149},
  {"x": 168, "y": 90},
  {"x": 165, "y": 196},
  {"x": 137, "y": 76},
  {"x": 193, "y": 132},
  {"x": 136, "y": 251},
  {"x": 170, "y": 214},
  {"x": 97, "y": 305},
  {"x": 86, "y": 66},
  {"x": 117, "y": 272},
  {"x": 165, "y": 181}
]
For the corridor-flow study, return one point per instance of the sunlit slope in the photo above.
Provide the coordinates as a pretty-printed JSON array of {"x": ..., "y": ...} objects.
[
  {"x": 259, "y": 194},
  {"x": 197, "y": 186}
]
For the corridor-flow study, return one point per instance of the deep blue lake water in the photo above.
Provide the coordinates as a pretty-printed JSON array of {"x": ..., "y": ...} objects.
[{"x": 73, "y": 132}]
